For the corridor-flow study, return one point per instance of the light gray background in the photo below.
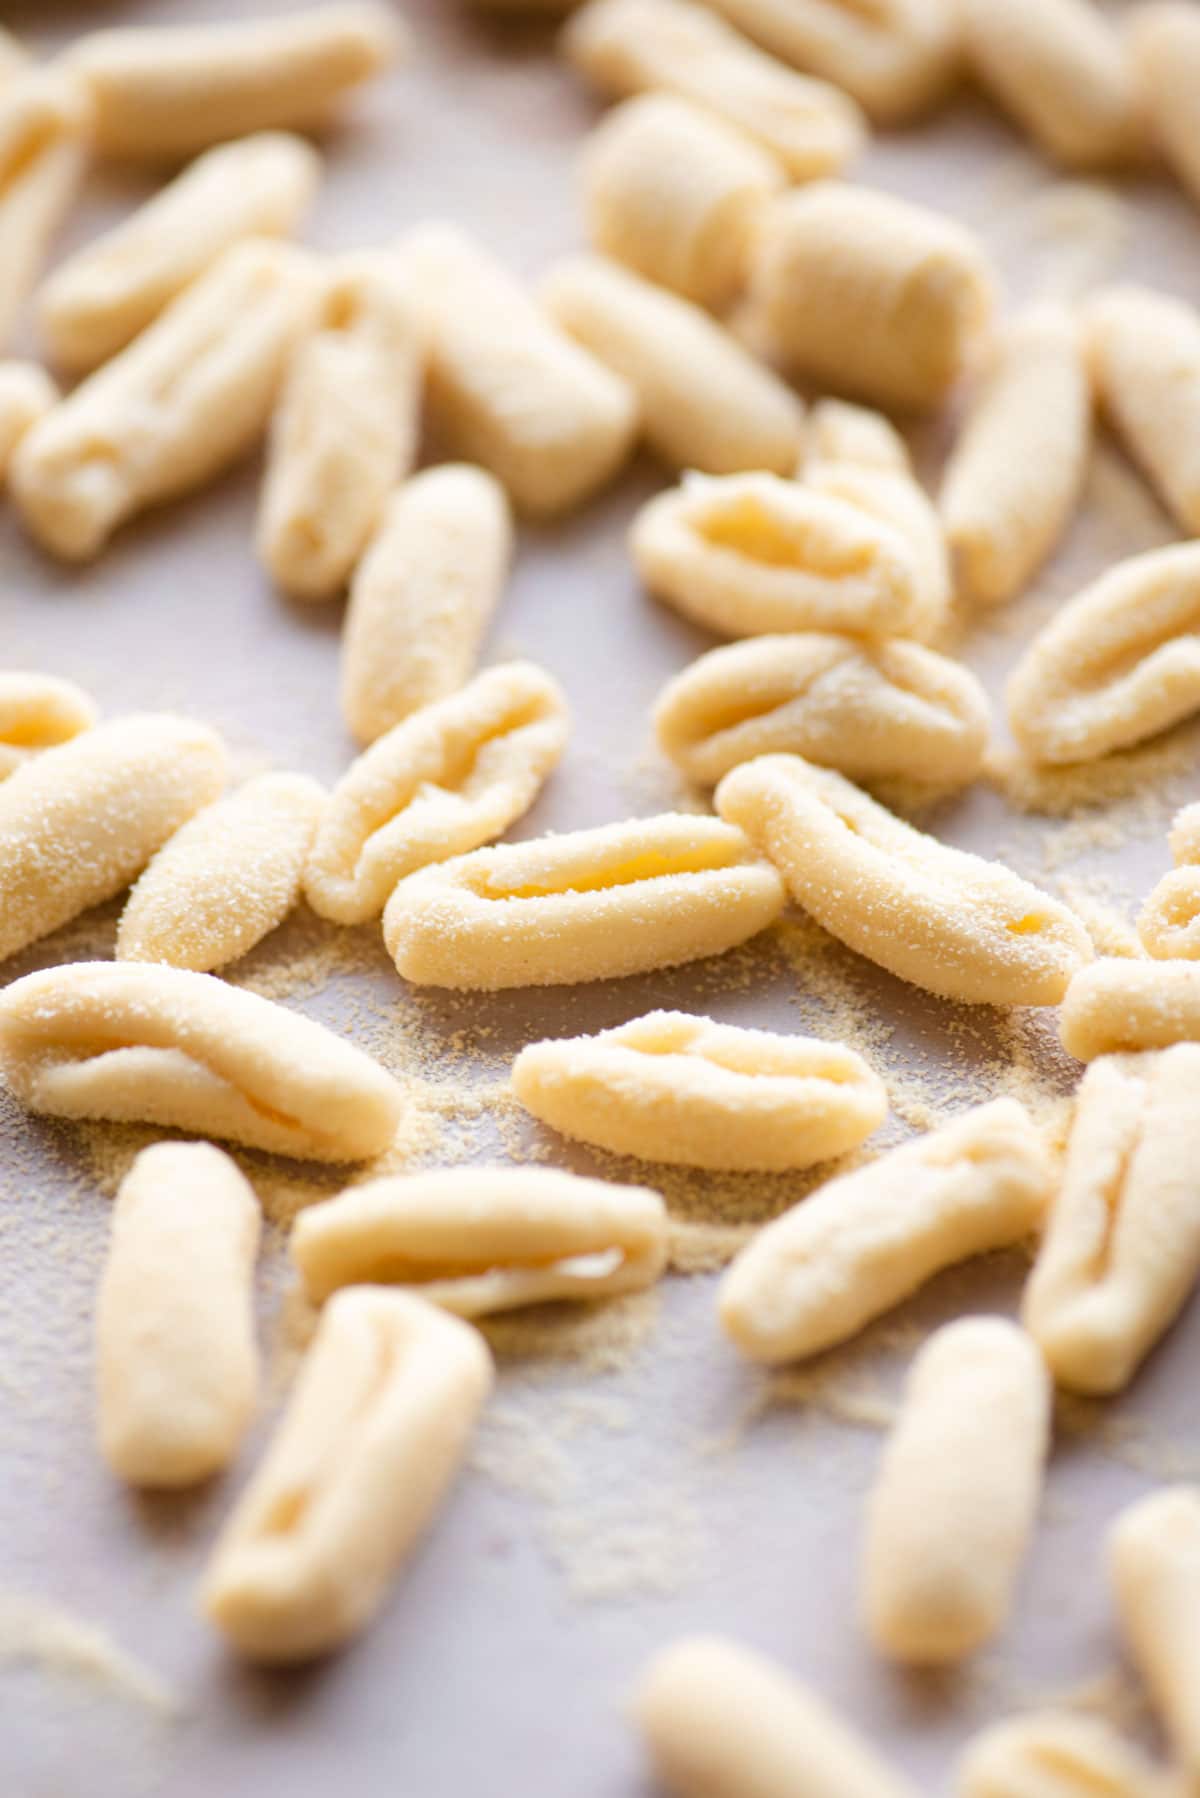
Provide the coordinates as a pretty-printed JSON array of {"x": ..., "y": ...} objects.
[{"x": 490, "y": 1672}]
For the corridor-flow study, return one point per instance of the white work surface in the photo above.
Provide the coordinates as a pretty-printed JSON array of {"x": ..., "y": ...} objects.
[{"x": 610, "y": 1507}]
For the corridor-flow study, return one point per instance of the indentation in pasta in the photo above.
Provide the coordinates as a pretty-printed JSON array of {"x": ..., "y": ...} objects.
[
  {"x": 39, "y": 711},
  {"x": 1169, "y": 924}
]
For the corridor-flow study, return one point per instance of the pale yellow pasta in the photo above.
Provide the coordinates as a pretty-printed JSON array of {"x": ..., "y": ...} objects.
[
  {"x": 137, "y": 1043},
  {"x": 721, "y": 1722},
  {"x": 44, "y": 124},
  {"x": 26, "y": 394},
  {"x": 704, "y": 402},
  {"x": 39, "y": 711},
  {"x": 868, "y": 708},
  {"x": 1154, "y": 1559},
  {"x": 225, "y": 880},
  {"x": 1169, "y": 922},
  {"x": 840, "y": 432},
  {"x": 1015, "y": 474},
  {"x": 953, "y": 1505},
  {"x": 422, "y": 596},
  {"x": 103, "y": 295},
  {"x": 482, "y": 1239},
  {"x": 81, "y": 820},
  {"x": 821, "y": 1272},
  {"x": 675, "y": 193},
  {"x": 896, "y": 57},
  {"x": 374, "y": 1432},
  {"x": 589, "y": 905},
  {"x": 450, "y": 778},
  {"x": 1163, "y": 43},
  {"x": 170, "y": 92},
  {"x": 681, "y": 1089},
  {"x": 188, "y": 396},
  {"x": 869, "y": 294},
  {"x": 1118, "y": 663},
  {"x": 1056, "y": 1754},
  {"x": 1061, "y": 69},
  {"x": 506, "y": 386},
  {"x": 1119, "y": 1006},
  {"x": 951, "y": 922},
  {"x": 627, "y": 46},
  {"x": 345, "y": 430},
  {"x": 751, "y": 554},
  {"x": 1143, "y": 351},
  {"x": 1121, "y": 1251},
  {"x": 176, "y": 1361}
]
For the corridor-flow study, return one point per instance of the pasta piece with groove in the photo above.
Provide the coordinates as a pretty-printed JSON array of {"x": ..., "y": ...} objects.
[
  {"x": 481, "y": 1239},
  {"x": 750, "y": 554},
  {"x": 376, "y": 1426},
  {"x": 824, "y": 1270},
  {"x": 948, "y": 921},
  {"x": 1121, "y": 1251},
  {"x": 1169, "y": 922},
  {"x": 448, "y": 779},
  {"x": 44, "y": 126},
  {"x": 1154, "y": 1562},
  {"x": 1120, "y": 1007},
  {"x": 37, "y": 712},
  {"x": 1143, "y": 354},
  {"x": 135, "y": 1043},
  {"x": 670, "y": 1087},
  {"x": 1056, "y": 1754},
  {"x": 1117, "y": 664},
  {"x": 589, "y": 905}
]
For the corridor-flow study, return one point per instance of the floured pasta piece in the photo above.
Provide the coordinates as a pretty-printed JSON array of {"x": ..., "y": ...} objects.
[
  {"x": 1154, "y": 1561},
  {"x": 1117, "y": 664},
  {"x": 1119, "y": 1006},
  {"x": 589, "y": 905},
  {"x": 44, "y": 126},
  {"x": 450, "y": 778},
  {"x": 749, "y": 554},
  {"x": 721, "y": 1722},
  {"x": 1163, "y": 43},
  {"x": 506, "y": 386},
  {"x": 1016, "y": 473},
  {"x": 1121, "y": 1251},
  {"x": 79, "y": 821},
  {"x": 169, "y": 92},
  {"x": 951, "y": 922},
  {"x": 26, "y": 394},
  {"x": 188, "y": 396},
  {"x": 1143, "y": 351},
  {"x": 675, "y": 193},
  {"x": 176, "y": 1362},
  {"x": 954, "y": 1502},
  {"x": 37, "y": 712},
  {"x": 345, "y": 430},
  {"x": 863, "y": 1242},
  {"x": 1061, "y": 69},
  {"x": 1056, "y": 1754},
  {"x": 896, "y": 57},
  {"x": 228, "y": 878},
  {"x": 96, "y": 301},
  {"x": 374, "y": 1432},
  {"x": 483, "y": 1239},
  {"x": 136, "y": 1043},
  {"x": 682, "y": 1089},
  {"x": 423, "y": 596},
  {"x": 673, "y": 46},
  {"x": 1169, "y": 923},
  {"x": 868, "y": 708},
  {"x": 704, "y": 401},
  {"x": 858, "y": 456},
  {"x": 869, "y": 294}
]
